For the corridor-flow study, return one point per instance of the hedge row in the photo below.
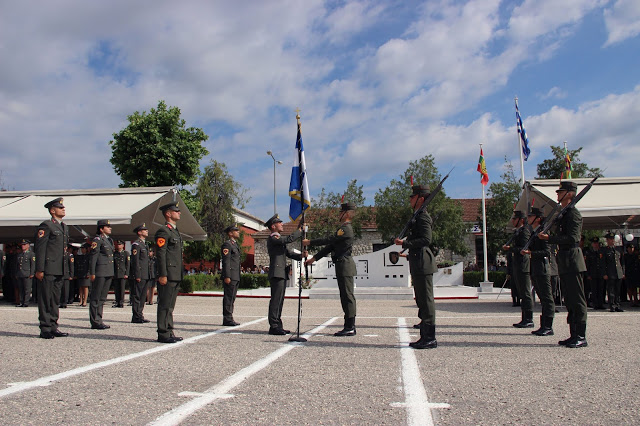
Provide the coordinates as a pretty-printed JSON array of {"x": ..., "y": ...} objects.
[
  {"x": 474, "y": 278},
  {"x": 202, "y": 282}
]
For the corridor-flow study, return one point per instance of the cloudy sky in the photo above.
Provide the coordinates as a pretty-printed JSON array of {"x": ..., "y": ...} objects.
[{"x": 378, "y": 83}]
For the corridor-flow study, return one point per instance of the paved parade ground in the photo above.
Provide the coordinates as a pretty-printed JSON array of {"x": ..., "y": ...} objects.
[{"x": 483, "y": 372}]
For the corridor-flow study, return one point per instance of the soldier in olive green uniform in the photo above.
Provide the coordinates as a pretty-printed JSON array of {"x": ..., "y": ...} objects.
[
  {"x": 340, "y": 246},
  {"x": 422, "y": 266},
  {"x": 121, "y": 265},
  {"x": 170, "y": 271},
  {"x": 570, "y": 266},
  {"x": 594, "y": 260},
  {"x": 521, "y": 267},
  {"x": 101, "y": 271},
  {"x": 230, "y": 274},
  {"x": 612, "y": 273},
  {"x": 52, "y": 238},
  {"x": 26, "y": 271},
  {"x": 278, "y": 253},
  {"x": 540, "y": 269},
  {"x": 139, "y": 274}
]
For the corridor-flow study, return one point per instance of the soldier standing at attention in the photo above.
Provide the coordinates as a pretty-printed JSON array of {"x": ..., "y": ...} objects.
[
  {"x": 26, "y": 271},
  {"x": 540, "y": 265},
  {"x": 340, "y": 246},
  {"x": 139, "y": 274},
  {"x": 52, "y": 238},
  {"x": 101, "y": 270},
  {"x": 612, "y": 273},
  {"x": 278, "y": 253},
  {"x": 230, "y": 274},
  {"x": 521, "y": 263},
  {"x": 422, "y": 266},
  {"x": 570, "y": 266},
  {"x": 170, "y": 271},
  {"x": 121, "y": 264}
]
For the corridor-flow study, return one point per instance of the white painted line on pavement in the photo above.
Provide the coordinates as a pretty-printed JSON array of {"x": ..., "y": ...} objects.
[
  {"x": 416, "y": 401},
  {"x": 46, "y": 381},
  {"x": 222, "y": 389}
]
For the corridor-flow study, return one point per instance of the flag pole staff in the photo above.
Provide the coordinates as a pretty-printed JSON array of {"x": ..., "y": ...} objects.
[
  {"x": 484, "y": 231},
  {"x": 520, "y": 146},
  {"x": 303, "y": 260}
]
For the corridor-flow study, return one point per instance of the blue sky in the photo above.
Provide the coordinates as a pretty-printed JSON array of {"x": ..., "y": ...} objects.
[{"x": 378, "y": 83}]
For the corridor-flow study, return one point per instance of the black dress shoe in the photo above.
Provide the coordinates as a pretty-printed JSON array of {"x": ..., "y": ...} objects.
[
  {"x": 25, "y": 305},
  {"x": 611, "y": 310},
  {"x": 46, "y": 335},
  {"x": 619, "y": 310},
  {"x": 277, "y": 331},
  {"x": 100, "y": 327},
  {"x": 230, "y": 323},
  {"x": 346, "y": 332},
  {"x": 167, "y": 340},
  {"x": 63, "y": 306},
  {"x": 416, "y": 326},
  {"x": 137, "y": 321},
  {"x": 145, "y": 320},
  {"x": 176, "y": 338},
  {"x": 58, "y": 333}
]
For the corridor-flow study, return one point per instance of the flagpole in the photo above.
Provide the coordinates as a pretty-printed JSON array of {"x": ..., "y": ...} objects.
[
  {"x": 564, "y": 174},
  {"x": 520, "y": 147},
  {"x": 484, "y": 232}
]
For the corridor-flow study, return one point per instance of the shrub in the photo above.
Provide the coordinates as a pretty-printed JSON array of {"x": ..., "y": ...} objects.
[
  {"x": 254, "y": 281},
  {"x": 474, "y": 278},
  {"x": 202, "y": 282}
]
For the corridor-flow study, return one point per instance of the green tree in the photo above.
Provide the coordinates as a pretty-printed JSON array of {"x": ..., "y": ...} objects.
[
  {"x": 215, "y": 196},
  {"x": 156, "y": 149},
  {"x": 393, "y": 210},
  {"x": 554, "y": 167}
]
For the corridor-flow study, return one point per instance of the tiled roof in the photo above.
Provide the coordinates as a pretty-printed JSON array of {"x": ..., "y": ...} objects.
[{"x": 470, "y": 208}]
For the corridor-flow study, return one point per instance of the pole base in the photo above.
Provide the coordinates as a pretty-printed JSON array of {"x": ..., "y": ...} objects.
[{"x": 297, "y": 339}]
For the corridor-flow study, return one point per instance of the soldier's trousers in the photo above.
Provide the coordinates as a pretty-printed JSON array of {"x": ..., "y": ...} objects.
[
  {"x": 167, "y": 296},
  {"x": 573, "y": 292},
  {"x": 24, "y": 289},
  {"x": 613, "y": 292},
  {"x": 277, "y": 300},
  {"x": 597, "y": 291},
  {"x": 119, "y": 290},
  {"x": 230, "y": 291},
  {"x": 523, "y": 282},
  {"x": 423, "y": 289},
  {"x": 347, "y": 296},
  {"x": 48, "y": 302},
  {"x": 64, "y": 293},
  {"x": 138, "y": 298},
  {"x": 542, "y": 284},
  {"x": 97, "y": 298}
]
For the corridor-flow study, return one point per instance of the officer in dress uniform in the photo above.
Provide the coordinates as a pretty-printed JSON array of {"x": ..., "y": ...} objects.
[
  {"x": 121, "y": 266},
  {"x": 52, "y": 237},
  {"x": 230, "y": 274},
  {"x": 521, "y": 267},
  {"x": 101, "y": 270},
  {"x": 70, "y": 260},
  {"x": 540, "y": 266},
  {"x": 612, "y": 273},
  {"x": 170, "y": 271},
  {"x": 594, "y": 261},
  {"x": 278, "y": 253},
  {"x": 26, "y": 262},
  {"x": 139, "y": 274},
  {"x": 570, "y": 266},
  {"x": 340, "y": 246}
]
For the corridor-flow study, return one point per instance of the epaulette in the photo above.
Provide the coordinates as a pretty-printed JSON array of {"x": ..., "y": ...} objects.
[{"x": 275, "y": 235}]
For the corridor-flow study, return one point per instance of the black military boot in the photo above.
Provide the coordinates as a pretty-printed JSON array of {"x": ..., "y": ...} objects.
[
  {"x": 545, "y": 329},
  {"x": 427, "y": 337},
  {"x": 572, "y": 331},
  {"x": 580, "y": 337},
  {"x": 349, "y": 328},
  {"x": 527, "y": 320}
]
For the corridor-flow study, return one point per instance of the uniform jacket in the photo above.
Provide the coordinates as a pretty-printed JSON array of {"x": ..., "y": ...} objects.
[
  {"x": 153, "y": 268},
  {"x": 70, "y": 259},
  {"x": 139, "y": 260},
  {"x": 553, "y": 260},
  {"x": 421, "y": 259},
  {"x": 339, "y": 245},
  {"x": 52, "y": 238},
  {"x": 611, "y": 263},
  {"x": 594, "y": 262},
  {"x": 567, "y": 237},
  {"x": 121, "y": 263},
  {"x": 521, "y": 263},
  {"x": 169, "y": 253},
  {"x": 101, "y": 257},
  {"x": 231, "y": 260},
  {"x": 278, "y": 253},
  {"x": 81, "y": 264},
  {"x": 26, "y": 264},
  {"x": 540, "y": 257}
]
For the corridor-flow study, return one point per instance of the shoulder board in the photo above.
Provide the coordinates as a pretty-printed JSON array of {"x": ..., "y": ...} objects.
[
  {"x": 275, "y": 235},
  {"x": 135, "y": 243},
  {"x": 97, "y": 238},
  {"x": 169, "y": 226}
]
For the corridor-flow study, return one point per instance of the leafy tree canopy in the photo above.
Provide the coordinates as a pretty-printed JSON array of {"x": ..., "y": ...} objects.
[{"x": 554, "y": 167}]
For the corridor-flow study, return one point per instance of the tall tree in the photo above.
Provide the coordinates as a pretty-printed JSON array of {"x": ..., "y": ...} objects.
[
  {"x": 156, "y": 149},
  {"x": 393, "y": 210},
  {"x": 552, "y": 168}
]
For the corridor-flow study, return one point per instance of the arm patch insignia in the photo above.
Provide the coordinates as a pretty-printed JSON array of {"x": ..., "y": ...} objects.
[
  {"x": 340, "y": 232},
  {"x": 134, "y": 252},
  {"x": 40, "y": 233},
  {"x": 94, "y": 245},
  {"x": 161, "y": 242},
  {"x": 225, "y": 252}
]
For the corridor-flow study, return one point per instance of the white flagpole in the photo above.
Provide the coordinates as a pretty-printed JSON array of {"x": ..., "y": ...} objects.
[
  {"x": 484, "y": 231},
  {"x": 520, "y": 147}
]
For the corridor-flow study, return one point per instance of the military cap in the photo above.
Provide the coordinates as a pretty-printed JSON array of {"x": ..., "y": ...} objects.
[
  {"x": 568, "y": 186},
  {"x": 55, "y": 203},
  {"x": 273, "y": 219},
  {"x": 140, "y": 228},
  {"x": 518, "y": 214},
  {"x": 595, "y": 240},
  {"x": 536, "y": 212},
  {"x": 230, "y": 228},
  {"x": 119, "y": 242},
  {"x": 23, "y": 241},
  {"x": 609, "y": 236},
  {"x": 347, "y": 206},
  {"x": 420, "y": 190},
  {"x": 170, "y": 206},
  {"x": 103, "y": 222}
]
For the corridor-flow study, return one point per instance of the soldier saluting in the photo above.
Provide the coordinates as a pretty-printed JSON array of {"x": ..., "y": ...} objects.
[{"x": 230, "y": 274}]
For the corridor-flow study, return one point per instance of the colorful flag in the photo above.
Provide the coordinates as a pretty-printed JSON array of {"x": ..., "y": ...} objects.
[
  {"x": 568, "y": 168},
  {"x": 298, "y": 187},
  {"x": 524, "y": 141},
  {"x": 482, "y": 168}
]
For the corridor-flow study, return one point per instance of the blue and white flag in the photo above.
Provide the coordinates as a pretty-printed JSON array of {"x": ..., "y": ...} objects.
[
  {"x": 298, "y": 187},
  {"x": 524, "y": 141}
]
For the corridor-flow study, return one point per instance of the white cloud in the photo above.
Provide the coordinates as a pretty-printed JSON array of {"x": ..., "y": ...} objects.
[
  {"x": 622, "y": 20},
  {"x": 555, "y": 93}
]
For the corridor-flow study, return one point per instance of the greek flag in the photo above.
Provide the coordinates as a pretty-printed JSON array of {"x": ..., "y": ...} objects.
[
  {"x": 524, "y": 141},
  {"x": 298, "y": 187}
]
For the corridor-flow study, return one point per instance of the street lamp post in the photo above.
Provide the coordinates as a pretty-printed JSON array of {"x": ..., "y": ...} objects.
[{"x": 274, "y": 179}]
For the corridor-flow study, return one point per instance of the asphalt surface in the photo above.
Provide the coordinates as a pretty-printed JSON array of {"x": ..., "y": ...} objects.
[{"x": 483, "y": 372}]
